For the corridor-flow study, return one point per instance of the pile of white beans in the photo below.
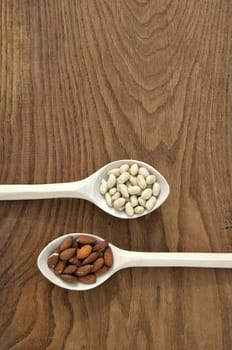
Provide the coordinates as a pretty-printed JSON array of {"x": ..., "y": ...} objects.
[{"x": 131, "y": 189}]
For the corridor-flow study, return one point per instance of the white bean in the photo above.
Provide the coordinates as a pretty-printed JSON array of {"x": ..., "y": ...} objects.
[
  {"x": 120, "y": 209},
  {"x": 150, "y": 203},
  {"x": 116, "y": 196},
  {"x": 103, "y": 187},
  {"x": 143, "y": 171},
  {"x": 111, "y": 181},
  {"x": 129, "y": 209},
  {"x": 139, "y": 209},
  {"x": 134, "y": 169},
  {"x": 133, "y": 180},
  {"x": 119, "y": 203},
  {"x": 124, "y": 191},
  {"x": 142, "y": 201},
  {"x": 156, "y": 189},
  {"x": 124, "y": 168},
  {"x": 112, "y": 191},
  {"x": 115, "y": 172},
  {"x": 150, "y": 179},
  {"x": 123, "y": 178},
  {"x": 134, "y": 201},
  {"x": 108, "y": 199},
  {"x": 130, "y": 188},
  {"x": 146, "y": 194},
  {"x": 141, "y": 182},
  {"x": 134, "y": 190}
]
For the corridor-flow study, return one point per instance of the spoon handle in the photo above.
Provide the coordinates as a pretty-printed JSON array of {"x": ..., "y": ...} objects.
[
  {"x": 57, "y": 190},
  {"x": 213, "y": 260}
]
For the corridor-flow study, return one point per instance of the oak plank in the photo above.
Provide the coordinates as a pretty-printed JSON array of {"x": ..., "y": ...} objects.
[{"x": 86, "y": 82}]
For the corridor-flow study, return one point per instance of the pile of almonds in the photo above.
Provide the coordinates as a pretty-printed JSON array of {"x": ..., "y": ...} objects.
[
  {"x": 81, "y": 259},
  {"x": 131, "y": 189}
]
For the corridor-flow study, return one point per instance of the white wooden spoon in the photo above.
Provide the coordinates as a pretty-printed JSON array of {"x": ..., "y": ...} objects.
[
  {"x": 87, "y": 188},
  {"x": 125, "y": 258}
]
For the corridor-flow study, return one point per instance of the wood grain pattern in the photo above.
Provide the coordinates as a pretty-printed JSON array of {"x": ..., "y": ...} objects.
[{"x": 85, "y": 82}]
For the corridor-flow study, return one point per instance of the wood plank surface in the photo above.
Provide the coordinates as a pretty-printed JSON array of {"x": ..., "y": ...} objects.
[{"x": 85, "y": 82}]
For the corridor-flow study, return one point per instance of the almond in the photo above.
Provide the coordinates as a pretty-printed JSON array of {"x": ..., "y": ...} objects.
[
  {"x": 86, "y": 240},
  {"x": 69, "y": 278},
  {"x": 102, "y": 270},
  {"x": 108, "y": 257},
  {"x": 67, "y": 253},
  {"x": 74, "y": 261},
  {"x": 84, "y": 251},
  {"x": 98, "y": 264},
  {"x": 60, "y": 267},
  {"x": 57, "y": 250},
  {"x": 53, "y": 260},
  {"x": 74, "y": 244},
  {"x": 84, "y": 270},
  {"x": 88, "y": 279},
  {"x": 67, "y": 243},
  {"x": 100, "y": 246},
  {"x": 92, "y": 257},
  {"x": 70, "y": 269},
  {"x": 100, "y": 254}
]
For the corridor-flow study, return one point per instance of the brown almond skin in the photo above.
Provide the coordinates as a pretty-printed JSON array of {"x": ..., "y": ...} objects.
[
  {"x": 108, "y": 257},
  {"x": 74, "y": 244},
  {"x": 88, "y": 279},
  {"x": 57, "y": 250},
  {"x": 98, "y": 264},
  {"x": 60, "y": 267},
  {"x": 84, "y": 270},
  {"x": 67, "y": 243},
  {"x": 70, "y": 269},
  {"x": 102, "y": 270},
  {"x": 85, "y": 240},
  {"x": 101, "y": 254},
  {"x": 69, "y": 278},
  {"x": 53, "y": 260},
  {"x": 92, "y": 257},
  {"x": 100, "y": 246},
  {"x": 84, "y": 251},
  {"x": 67, "y": 253},
  {"x": 74, "y": 261}
]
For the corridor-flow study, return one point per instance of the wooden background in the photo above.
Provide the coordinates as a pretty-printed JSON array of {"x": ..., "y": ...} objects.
[{"x": 85, "y": 82}]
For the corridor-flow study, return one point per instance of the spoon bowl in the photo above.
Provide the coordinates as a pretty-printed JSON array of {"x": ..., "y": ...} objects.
[
  {"x": 99, "y": 200},
  {"x": 49, "y": 273},
  {"x": 125, "y": 258},
  {"x": 88, "y": 189}
]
